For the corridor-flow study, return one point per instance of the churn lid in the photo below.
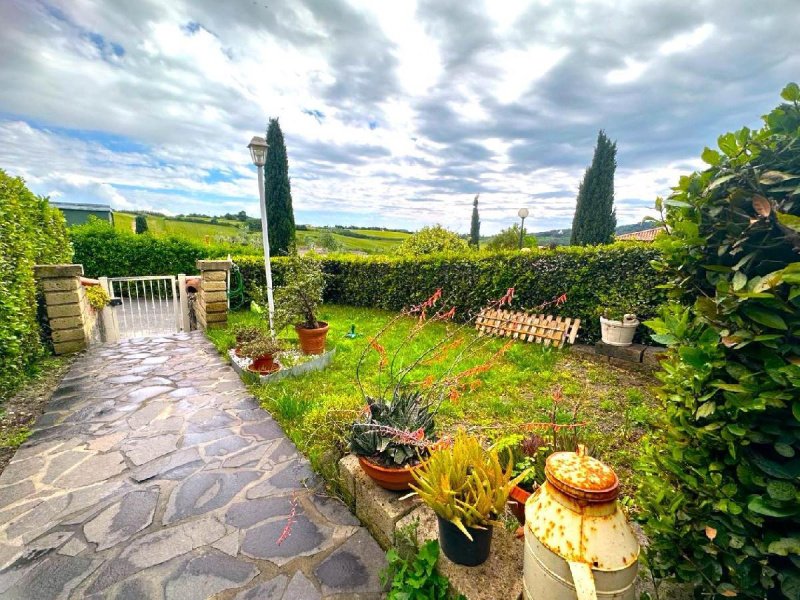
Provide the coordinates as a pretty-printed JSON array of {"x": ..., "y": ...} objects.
[{"x": 582, "y": 477}]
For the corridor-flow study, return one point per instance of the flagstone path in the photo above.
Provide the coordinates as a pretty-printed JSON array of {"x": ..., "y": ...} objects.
[{"x": 154, "y": 474}]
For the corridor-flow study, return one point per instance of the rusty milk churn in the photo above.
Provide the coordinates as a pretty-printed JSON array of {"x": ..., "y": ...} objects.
[{"x": 578, "y": 544}]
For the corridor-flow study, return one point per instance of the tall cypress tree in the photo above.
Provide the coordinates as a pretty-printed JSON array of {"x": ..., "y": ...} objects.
[
  {"x": 595, "y": 219},
  {"x": 280, "y": 216},
  {"x": 475, "y": 227}
]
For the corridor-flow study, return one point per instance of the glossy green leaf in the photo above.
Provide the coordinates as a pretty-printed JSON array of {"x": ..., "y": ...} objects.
[{"x": 765, "y": 317}]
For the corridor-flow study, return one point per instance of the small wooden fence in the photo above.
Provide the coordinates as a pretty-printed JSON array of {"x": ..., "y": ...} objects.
[{"x": 546, "y": 329}]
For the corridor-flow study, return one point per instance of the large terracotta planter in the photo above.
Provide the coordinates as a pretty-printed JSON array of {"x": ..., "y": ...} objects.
[
  {"x": 516, "y": 502},
  {"x": 263, "y": 365},
  {"x": 397, "y": 479},
  {"x": 312, "y": 341}
]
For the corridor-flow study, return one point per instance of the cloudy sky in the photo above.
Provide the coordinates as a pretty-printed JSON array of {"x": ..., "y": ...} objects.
[{"x": 395, "y": 113}]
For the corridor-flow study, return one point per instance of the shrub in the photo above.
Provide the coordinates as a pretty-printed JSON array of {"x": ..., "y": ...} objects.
[
  {"x": 508, "y": 239},
  {"x": 720, "y": 496},
  {"x": 586, "y": 275},
  {"x": 141, "y": 224},
  {"x": 429, "y": 240},
  {"x": 31, "y": 232},
  {"x": 104, "y": 251}
]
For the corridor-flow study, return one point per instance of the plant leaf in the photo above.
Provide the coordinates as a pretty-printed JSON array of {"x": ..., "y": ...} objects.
[{"x": 762, "y": 206}]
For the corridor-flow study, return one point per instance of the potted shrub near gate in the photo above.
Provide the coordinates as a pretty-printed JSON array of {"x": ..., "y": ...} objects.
[
  {"x": 244, "y": 334},
  {"x": 467, "y": 487},
  {"x": 261, "y": 350},
  {"x": 391, "y": 437},
  {"x": 298, "y": 301}
]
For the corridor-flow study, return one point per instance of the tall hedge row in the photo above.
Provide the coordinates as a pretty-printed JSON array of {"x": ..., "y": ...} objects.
[
  {"x": 593, "y": 277},
  {"x": 31, "y": 232},
  {"x": 104, "y": 251}
]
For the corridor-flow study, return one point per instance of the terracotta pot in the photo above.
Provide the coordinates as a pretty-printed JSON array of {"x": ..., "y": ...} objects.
[
  {"x": 263, "y": 365},
  {"x": 516, "y": 502},
  {"x": 312, "y": 341},
  {"x": 238, "y": 351},
  {"x": 396, "y": 479}
]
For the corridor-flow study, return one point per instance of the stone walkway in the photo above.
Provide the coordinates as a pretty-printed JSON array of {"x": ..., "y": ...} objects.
[{"x": 154, "y": 474}]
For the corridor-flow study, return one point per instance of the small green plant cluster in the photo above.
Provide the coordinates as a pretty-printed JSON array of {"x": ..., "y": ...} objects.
[
  {"x": 97, "y": 296},
  {"x": 411, "y": 568},
  {"x": 260, "y": 345},
  {"x": 508, "y": 239},
  {"x": 430, "y": 240},
  {"x": 588, "y": 275},
  {"x": 388, "y": 430},
  {"x": 721, "y": 490},
  {"x": 244, "y": 332},
  {"x": 465, "y": 484},
  {"x": 31, "y": 232}
]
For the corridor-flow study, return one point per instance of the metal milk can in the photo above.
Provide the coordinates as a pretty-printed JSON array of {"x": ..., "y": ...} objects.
[{"x": 578, "y": 544}]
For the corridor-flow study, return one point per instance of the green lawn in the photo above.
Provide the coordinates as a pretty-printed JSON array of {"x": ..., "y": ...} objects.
[
  {"x": 164, "y": 226},
  {"x": 384, "y": 245},
  {"x": 316, "y": 409}
]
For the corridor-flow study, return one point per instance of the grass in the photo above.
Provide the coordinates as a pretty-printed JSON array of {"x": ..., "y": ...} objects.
[
  {"x": 316, "y": 409},
  {"x": 380, "y": 242},
  {"x": 164, "y": 226}
]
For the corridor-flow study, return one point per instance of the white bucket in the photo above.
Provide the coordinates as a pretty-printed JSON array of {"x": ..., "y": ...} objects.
[{"x": 618, "y": 333}]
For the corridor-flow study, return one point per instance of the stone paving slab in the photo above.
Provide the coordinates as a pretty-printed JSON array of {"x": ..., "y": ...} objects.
[{"x": 154, "y": 474}]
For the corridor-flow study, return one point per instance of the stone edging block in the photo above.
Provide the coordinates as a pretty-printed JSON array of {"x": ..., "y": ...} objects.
[
  {"x": 214, "y": 265},
  {"x": 57, "y": 271}
]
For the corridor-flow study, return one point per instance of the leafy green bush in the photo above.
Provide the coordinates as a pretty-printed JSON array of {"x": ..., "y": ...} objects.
[
  {"x": 31, "y": 232},
  {"x": 429, "y": 240},
  {"x": 587, "y": 275},
  {"x": 721, "y": 492},
  {"x": 508, "y": 239},
  {"x": 105, "y": 251},
  {"x": 411, "y": 568}
]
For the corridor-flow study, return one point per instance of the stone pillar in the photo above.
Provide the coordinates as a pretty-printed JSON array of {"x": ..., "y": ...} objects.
[
  {"x": 211, "y": 307},
  {"x": 65, "y": 301}
]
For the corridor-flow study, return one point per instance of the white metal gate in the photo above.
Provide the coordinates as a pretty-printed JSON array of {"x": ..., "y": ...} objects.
[{"x": 146, "y": 306}]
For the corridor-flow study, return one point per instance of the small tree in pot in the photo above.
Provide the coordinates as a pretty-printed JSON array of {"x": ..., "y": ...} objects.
[
  {"x": 298, "y": 301},
  {"x": 261, "y": 349}
]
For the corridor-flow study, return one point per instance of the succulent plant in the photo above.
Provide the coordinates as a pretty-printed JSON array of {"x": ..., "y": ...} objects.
[
  {"x": 394, "y": 433},
  {"x": 465, "y": 484}
]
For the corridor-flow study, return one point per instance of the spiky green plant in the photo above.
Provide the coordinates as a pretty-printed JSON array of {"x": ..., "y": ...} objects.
[{"x": 465, "y": 484}]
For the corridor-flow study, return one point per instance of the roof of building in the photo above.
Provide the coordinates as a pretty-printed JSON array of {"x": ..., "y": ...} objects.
[
  {"x": 646, "y": 235},
  {"x": 82, "y": 206}
]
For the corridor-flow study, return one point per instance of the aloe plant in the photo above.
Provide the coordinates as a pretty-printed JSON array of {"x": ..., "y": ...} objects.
[{"x": 465, "y": 484}]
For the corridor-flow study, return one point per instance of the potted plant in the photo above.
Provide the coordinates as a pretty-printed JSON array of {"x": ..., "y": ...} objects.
[
  {"x": 244, "y": 333},
  {"x": 467, "y": 487},
  {"x": 261, "y": 350},
  {"x": 298, "y": 301},
  {"x": 617, "y": 327},
  {"x": 391, "y": 437}
]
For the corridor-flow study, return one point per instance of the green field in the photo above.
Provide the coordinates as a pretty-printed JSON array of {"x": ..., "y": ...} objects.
[{"x": 370, "y": 241}]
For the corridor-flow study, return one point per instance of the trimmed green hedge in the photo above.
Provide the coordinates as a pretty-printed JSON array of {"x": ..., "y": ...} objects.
[
  {"x": 31, "y": 232},
  {"x": 106, "y": 252},
  {"x": 618, "y": 275}
]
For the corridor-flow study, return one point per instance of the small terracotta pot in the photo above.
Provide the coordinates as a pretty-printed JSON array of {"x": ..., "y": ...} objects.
[
  {"x": 312, "y": 341},
  {"x": 263, "y": 364},
  {"x": 396, "y": 479},
  {"x": 238, "y": 351},
  {"x": 516, "y": 502}
]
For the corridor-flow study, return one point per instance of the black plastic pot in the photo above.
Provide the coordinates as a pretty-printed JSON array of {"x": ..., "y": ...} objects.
[{"x": 457, "y": 547}]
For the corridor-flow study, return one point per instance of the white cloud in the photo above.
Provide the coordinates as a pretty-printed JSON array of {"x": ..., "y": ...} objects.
[{"x": 685, "y": 42}]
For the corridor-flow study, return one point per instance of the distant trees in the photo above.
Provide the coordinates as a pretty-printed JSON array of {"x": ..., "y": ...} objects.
[
  {"x": 141, "y": 224},
  {"x": 280, "y": 216},
  {"x": 595, "y": 219},
  {"x": 508, "y": 239},
  {"x": 475, "y": 226},
  {"x": 432, "y": 239}
]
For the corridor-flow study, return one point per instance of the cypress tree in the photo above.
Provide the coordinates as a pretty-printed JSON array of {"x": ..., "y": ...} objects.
[
  {"x": 140, "y": 223},
  {"x": 475, "y": 227},
  {"x": 280, "y": 216},
  {"x": 595, "y": 219}
]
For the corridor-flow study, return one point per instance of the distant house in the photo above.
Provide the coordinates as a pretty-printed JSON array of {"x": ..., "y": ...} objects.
[
  {"x": 78, "y": 214},
  {"x": 646, "y": 235}
]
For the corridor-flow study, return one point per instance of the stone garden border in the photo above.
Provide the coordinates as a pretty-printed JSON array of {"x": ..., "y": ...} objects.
[{"x": 318, "y": 363}]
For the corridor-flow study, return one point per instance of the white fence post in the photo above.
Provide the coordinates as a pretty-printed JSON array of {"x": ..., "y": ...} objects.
[
  {"x": 183, "y": 318},
  {"x": 109, "y": 317}
]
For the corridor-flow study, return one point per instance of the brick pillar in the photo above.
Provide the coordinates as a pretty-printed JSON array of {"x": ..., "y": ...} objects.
[
  {"x": 211, "y": 307},
  {"x": 65, "y": 300}
]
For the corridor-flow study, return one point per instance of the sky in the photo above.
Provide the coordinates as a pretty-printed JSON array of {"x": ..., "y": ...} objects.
[{"x": 395, "y": 114}]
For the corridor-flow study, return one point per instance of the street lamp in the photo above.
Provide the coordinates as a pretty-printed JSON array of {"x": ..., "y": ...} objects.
[
  {"x": 258, "y": 152},
  {"x": 523, "y": 212}
]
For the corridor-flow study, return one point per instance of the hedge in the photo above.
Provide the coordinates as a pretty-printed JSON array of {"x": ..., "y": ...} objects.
[
  {"x": 106, "y": 252},
  {"x": 618, "y": 274},
  {"x": 31, "y": 232}
]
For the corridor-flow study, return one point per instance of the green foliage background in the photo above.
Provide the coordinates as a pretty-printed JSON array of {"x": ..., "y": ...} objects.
[
  {"x": 589, "y": 276},
  {"x": 721, "y": 486},
  {"x": 429, "y": 240},
  {"x": 31, "y": 232},
  {"x": 280, "y": 215},
  {"x": 508, "y": 239},
  {"x": 595, "y": 220}
]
